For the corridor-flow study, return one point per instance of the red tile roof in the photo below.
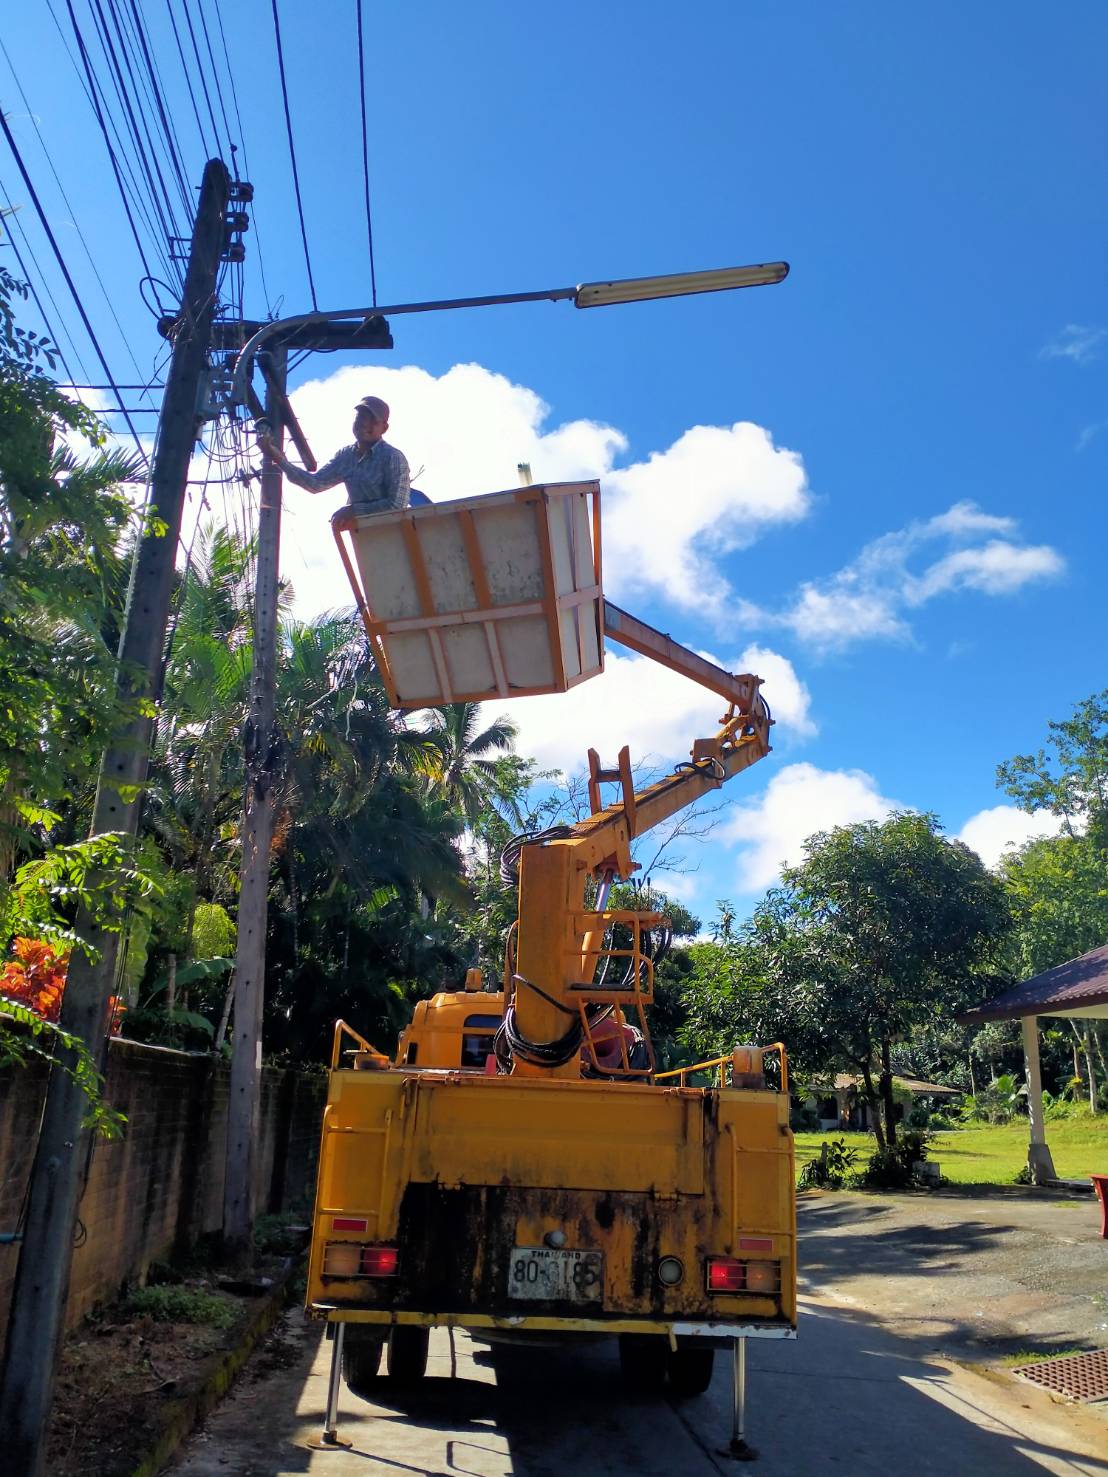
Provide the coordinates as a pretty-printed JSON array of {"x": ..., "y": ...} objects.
[{"x": 1079, "y": 984}]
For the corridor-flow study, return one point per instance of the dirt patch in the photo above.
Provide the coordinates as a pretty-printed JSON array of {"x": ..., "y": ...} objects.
[
  {"x": 127, "y": 1377},
  {"x": 118, "y": 1373}
]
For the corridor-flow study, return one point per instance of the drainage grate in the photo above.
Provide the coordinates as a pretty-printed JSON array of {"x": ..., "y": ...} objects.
[{"x": 1082, "y": 1377}]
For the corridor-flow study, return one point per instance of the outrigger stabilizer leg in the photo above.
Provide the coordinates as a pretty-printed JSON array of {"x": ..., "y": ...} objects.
[
  {"x": 330, "y": 1437},
  {"x": 739, "y": 1449}
]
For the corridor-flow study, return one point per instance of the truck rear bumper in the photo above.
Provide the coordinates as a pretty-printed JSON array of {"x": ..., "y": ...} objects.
[{"x": 386, "y": 1317}]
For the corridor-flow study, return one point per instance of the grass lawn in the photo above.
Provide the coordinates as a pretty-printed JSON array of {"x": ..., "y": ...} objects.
[{"x": 983, "y": 1155}]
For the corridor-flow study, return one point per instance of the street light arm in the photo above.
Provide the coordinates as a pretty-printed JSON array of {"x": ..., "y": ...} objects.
[
  {"x": 244, "y": 367},
  {"x": 585, "y": 295}
]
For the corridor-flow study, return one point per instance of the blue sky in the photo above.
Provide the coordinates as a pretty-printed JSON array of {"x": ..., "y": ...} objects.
[{"x": 935, "y": 177}]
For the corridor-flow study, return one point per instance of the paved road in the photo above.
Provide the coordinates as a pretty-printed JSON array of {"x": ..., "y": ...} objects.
[{"x": 848, "y": 1396}]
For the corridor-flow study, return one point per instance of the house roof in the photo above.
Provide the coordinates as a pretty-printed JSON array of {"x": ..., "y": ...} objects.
[
  {"x": 1079, "y": 986},
  {"x": 914, "y": 1085}
]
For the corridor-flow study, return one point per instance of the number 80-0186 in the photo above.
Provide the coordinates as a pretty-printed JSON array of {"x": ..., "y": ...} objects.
[{"x": 543, "y": 1273}]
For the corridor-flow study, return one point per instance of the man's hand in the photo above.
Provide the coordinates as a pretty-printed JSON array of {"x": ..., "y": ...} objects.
[{"x": 269, "y": 451}]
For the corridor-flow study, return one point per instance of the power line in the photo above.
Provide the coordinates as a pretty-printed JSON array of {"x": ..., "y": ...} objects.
[
  {"x": 90, "y": 90},
  {"x": 13, "y": 215},
  {"x": 292, "y": 152},
  {"x": 157, "y": 92},
  {"x": 365, "y": 156},
  {"x": 157, "y": 192},
  {"x": 72, "y": 212},
  {"x": 65, "y": 273},
  {"x": 215, "y": 75},
  {"x": 203, "y": 80},
  {"x": 188, "y": 83},
  {"x": 243, "y": 142},
  {"x": 146, "y": 198}
]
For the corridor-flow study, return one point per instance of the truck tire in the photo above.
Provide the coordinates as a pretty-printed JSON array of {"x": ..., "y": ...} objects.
[
  {"x": 690, "y": 1370},
  {"x": 642, "y": 1361},
  {"x": 407, "y": 1357},
  {"x": 361, "y": 1359}
]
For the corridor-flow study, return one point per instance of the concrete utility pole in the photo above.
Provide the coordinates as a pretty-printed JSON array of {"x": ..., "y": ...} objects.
[
  {"x": 42, "y": 1277},
  {"x": 262, "y": 767}
]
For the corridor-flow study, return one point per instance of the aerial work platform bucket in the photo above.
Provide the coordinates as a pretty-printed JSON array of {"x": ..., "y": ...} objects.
[{"x": 486, "y": 597}]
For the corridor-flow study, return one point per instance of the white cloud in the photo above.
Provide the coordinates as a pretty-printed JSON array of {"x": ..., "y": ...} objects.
[
  {"x": 996, "y": 568},
  {"x": 866, "y": 599},
  {"x": 667, "y": 520},
  {"x": 656, "y": 712},
  {"x": 1077, "y": 341},
  {"x": 994, "y": 831},
  {"x": 715, "y": 490},
  {"x": 788, "y": 697},
  {"x": 799, "y": 801}
]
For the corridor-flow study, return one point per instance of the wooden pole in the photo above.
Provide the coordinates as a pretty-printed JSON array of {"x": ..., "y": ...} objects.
[
  {"x": 262, "y": 769},
  {"x": 37, "y": 1317}
]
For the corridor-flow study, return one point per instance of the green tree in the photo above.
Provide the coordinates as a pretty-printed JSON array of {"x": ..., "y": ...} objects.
[
  {"x": 61, "y": 518},
  {"x": 472, "y": 765},
  {"x": 882, "y": 928},
  {"x": 1070, "y": 776},
  {"x": 1058, "y": 891}
]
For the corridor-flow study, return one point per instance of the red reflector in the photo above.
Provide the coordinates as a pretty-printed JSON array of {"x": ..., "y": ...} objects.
[
  {"x": 755, "y": 1243},
  {"x": 726, "y": 1274},
  {"x": 379, "y": 1261},
  {"x": 344, "y": 1223}
]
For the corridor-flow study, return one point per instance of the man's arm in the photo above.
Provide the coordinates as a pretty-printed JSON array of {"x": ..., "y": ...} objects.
[
  {"x": 398, "y": 480},
  {"x": 329, "y": 475}
]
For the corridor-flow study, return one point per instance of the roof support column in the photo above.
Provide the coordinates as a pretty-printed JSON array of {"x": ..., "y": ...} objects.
[{"x": 1039, "y": 1161}]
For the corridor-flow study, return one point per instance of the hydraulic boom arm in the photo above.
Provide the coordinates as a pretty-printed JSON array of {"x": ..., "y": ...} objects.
[{"x": 558, "y": 940}]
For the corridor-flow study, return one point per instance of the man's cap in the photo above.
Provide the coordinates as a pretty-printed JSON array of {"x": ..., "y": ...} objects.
[{"x": 376, "y": 407}]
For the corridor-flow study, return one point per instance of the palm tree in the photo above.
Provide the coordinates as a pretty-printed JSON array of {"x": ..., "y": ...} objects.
[{"x": 466, "y": 763}]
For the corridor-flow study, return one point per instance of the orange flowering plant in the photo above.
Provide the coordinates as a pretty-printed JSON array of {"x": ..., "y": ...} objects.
[{"x": 36, "y": 977}]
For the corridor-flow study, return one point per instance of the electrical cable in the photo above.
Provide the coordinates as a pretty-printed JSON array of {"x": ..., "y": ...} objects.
[
  {"x": 245, "y": 160},
  {"x": 188, "y": 82},
  {"x": 98, "y": 111},
  {"x": 215, "y": 74},
  {"x": 292, "y": 153},
  {"x": 12, "y": 215},
  {"x": 203, "y": 79},
  {"x": 66, "y": 274},
  {"x": 73, "y": 217},
  {"x": 365, "y": 155},
  {"x": 156, "y": 192},
  {"x": 155, "y": 92}
]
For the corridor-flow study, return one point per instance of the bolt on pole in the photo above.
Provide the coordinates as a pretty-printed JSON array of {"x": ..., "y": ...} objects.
[
  {"x": 37, "y": 1318},
  {"x": 262, "y": 772}
]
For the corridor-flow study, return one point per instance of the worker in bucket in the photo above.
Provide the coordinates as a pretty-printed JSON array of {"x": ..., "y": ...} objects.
[{"x": 375, "y": 473}]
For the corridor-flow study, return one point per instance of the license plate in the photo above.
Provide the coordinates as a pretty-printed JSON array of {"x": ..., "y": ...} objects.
[{"x": 541, "y": 1274}]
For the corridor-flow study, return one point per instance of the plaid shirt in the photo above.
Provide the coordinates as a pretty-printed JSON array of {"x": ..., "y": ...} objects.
[{"x": 376, "y": 480}]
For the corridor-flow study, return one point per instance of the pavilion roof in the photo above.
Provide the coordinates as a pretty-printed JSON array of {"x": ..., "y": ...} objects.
[
  {"x": 1076, "y": 987},
  {"x": 914, "y": 1085}
]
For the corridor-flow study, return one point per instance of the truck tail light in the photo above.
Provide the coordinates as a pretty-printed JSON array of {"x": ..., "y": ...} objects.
[
  {"x": 729, "y": 1274},
  {"x": 378, "y": 1261},
  {"x": 355, "y": 1259},
  {"x": 726, "y": 1274},
  {"x": 341, "y": 1259},
  {"x": 763, "y": 1277}
]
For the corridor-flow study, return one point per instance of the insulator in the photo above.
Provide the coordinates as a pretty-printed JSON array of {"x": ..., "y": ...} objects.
[{"x": 242, "y": 190}]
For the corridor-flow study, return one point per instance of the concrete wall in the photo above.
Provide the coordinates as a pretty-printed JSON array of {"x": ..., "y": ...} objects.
[{"x": 155, "y": 1192}]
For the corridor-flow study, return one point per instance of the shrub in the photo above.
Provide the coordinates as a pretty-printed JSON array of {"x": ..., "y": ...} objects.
[
  {"x": 173, "y": 1304},
  {"x": 831, "y": 1169},
  {"x": 891, "y": 1168}
]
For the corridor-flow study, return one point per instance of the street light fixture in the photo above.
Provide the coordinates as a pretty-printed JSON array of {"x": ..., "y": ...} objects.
[{"x": 678, "y": 284}]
